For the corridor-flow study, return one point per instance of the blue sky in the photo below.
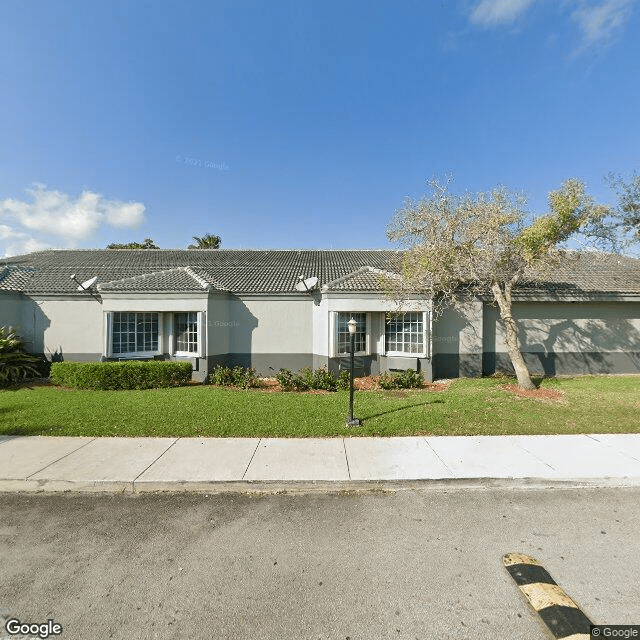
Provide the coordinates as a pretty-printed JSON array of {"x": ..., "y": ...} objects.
[{"x": 300, "y": 124}]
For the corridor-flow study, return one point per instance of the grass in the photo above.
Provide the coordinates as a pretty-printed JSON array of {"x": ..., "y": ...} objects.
[{"x": 591, "y": 404}]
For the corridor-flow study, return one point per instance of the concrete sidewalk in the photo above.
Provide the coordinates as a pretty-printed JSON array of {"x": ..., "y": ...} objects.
[{"x": 253, "y": 464}]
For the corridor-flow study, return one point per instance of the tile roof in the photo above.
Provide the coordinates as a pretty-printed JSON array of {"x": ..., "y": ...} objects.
[
  {"x": 14, "y": 277},
  {"x": 169, "y": 280},
  {"x": 364, "y": 279},
  {"x": 271, "y": 271}
]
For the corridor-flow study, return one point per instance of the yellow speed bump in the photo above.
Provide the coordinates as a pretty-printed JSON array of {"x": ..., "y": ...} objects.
[{"x": 561, "y": 615}]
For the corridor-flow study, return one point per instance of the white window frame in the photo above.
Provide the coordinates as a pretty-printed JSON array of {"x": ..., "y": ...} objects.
[
  {"x": 127, "y": 355},
  {"x": 334, "y": 333},
  {"x": 426, "y": 338},
  {"x": 173, "y": 341}
]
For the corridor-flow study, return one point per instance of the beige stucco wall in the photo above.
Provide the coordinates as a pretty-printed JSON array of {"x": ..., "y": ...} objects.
[
  {"x": 459, "y": 330},
  {"x": 155, "y": 302},
  {"x": 570, "y": 327},
  {"x": 271, "y": 325},
  {"x": 219, "y": 325},
  {"x": 10, "y": 309},
  {"x": 73, "y": 325}
]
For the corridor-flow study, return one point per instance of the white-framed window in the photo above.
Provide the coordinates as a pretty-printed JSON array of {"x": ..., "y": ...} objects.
[
  {"x": 187, "y": 333},
  {"x": 343, "y": 337},
  {"x": 134, "y": 333},
  {"x": 406, "y": 334},
  {"x": 186, "y": 330}
]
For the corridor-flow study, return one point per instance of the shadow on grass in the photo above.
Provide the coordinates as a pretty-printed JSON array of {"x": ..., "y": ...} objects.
[
  {"x": 29, "y": 431},
  {"x": 405, "y": 407}
]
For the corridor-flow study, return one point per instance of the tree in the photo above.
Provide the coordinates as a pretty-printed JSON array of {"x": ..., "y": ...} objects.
[
  {"x": 628, "y": 203},
  {"x": 461, "y": 246},
  {"x": 147, "y": 244},
  {"x": 619, "y": 230},
  {"x": 207, "y": 241}
]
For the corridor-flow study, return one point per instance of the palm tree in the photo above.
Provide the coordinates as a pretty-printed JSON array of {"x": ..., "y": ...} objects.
[{"x": 207, "y": 241}]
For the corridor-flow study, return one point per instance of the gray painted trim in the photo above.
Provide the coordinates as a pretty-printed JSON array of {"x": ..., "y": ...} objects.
[
  {"x": 457, "y": 365},
  {"x": 551, "y": 364}
]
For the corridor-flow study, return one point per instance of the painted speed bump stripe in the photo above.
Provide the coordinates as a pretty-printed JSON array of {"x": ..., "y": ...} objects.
[{"x": 558, "y": 611}]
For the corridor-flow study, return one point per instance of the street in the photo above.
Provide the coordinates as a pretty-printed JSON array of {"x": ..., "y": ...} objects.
[{"x": 417, "y": 563}]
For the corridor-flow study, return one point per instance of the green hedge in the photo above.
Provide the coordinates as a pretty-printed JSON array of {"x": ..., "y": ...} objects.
[{"x": 120, "y": 375}]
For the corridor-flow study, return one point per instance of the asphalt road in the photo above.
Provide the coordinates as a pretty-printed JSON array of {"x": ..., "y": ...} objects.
[{"x": 414, "y": 564}]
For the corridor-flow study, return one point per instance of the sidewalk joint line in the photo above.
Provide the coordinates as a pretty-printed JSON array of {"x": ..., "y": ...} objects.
[
  {"x": 61, "y": 458},
  {"x": 251, "y": 459},
  {"x": 536, "y": 457},
  {"x": 133, "y": 482},
  {"x": 346, "y": 457},
  {"x": 594, "y": 437},
  {"x": 435, "y": 453}
]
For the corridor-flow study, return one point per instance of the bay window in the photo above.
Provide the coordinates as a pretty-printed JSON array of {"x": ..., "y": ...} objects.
[
  {"x": 134, "y": 333},
  {"x": 406, "y": 333}
]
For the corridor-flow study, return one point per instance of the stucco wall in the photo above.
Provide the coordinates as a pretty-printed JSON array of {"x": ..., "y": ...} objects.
[
  {"x": 271, "y": 325},
  {"x": 568, "y": 337},
  {"x": 458, "y": 341},
  {"x": 219, "y": 325},
  {"x": 10, "y": 309},
  {"x": 569, "y": 327},
  {"x": 72, "y": 325}
]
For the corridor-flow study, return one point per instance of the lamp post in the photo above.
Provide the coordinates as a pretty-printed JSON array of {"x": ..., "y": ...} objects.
[{"x": 351, "y": 421}]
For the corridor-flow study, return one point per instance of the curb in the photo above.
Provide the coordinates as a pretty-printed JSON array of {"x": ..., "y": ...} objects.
[
  {"x": 134, "y": 487},
  {"x": 561, "y": 615}
]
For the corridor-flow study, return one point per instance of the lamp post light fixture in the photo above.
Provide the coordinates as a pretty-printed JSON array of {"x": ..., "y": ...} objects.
[{"x": 351, "y": 421}]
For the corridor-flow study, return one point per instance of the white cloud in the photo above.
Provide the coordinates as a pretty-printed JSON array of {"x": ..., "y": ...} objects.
[
  {"x": 61, "y": 216},
  {"x": 123, "y": 214},
  {"x": 490, "y": 13},
  {"x": 601, "y": 21}
]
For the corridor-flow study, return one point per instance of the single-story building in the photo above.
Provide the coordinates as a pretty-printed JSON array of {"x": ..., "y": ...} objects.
[{"x": 273, "y": 309}]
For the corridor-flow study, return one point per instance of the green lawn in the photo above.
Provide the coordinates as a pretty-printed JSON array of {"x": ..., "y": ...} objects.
[{"x": 595, "y": 404}]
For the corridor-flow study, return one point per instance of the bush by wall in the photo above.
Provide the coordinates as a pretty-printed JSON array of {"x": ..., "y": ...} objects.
[
  {"x": 236, "y": 377},
  {"x": 15, "y": 364},
  {"x": 120, "y": 375},
  {"x": 408, "y": 379},
  {"x": 306, "y": 379}
]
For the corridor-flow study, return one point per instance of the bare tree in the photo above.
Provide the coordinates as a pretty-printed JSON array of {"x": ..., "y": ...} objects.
[{"x": 480, "y": 244}]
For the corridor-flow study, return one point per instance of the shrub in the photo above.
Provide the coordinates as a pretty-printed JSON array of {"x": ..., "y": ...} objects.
[
  {"x": 303, "y": 380},
  {"x": 236, "y": 377},
  {"x": 284, "y": 378},
  {"x": 343, "y": 381},
  {"x": 120, "y": 375},
  {"x": 323, "y": 379},
  {"x": 408, "y": 379},
  {"x": 15, "y": 364},
  {"x": 306, "y": 379}
]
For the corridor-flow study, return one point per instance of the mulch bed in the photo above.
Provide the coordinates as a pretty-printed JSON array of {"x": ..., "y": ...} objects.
[{"x": 540, "y": 394}]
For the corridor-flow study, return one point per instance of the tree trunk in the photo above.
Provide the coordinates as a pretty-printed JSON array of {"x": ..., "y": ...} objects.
[{"x": 511, "y": 338}]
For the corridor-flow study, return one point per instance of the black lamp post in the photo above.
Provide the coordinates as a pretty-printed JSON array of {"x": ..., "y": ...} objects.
[{"x": 351, "y": 421}]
